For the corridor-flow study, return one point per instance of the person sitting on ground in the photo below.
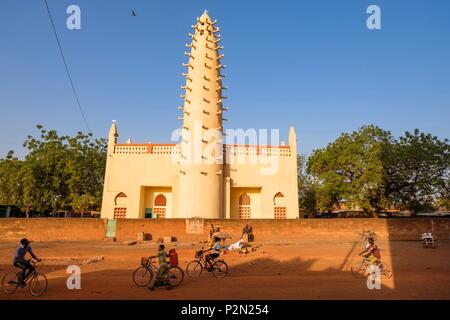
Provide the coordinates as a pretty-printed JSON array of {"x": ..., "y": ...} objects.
[
  {"x": 215, "y": 252},
  {"x": 162, "y": 278},
  {"x": 23, "y": 264},
  {"x": 235, "y": 246},
  {"x": 371, "y": 252}
]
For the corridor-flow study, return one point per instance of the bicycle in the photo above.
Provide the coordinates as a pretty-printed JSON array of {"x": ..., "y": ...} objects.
[
  {"x": 361, "y": 269},
  {"x": 195, "y": 268},
  {"x": 37, "y": 282},
  {"x": 143, "y": 275}
]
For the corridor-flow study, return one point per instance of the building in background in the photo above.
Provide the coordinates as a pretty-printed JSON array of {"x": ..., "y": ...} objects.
[{"x": 201, "y": 176}]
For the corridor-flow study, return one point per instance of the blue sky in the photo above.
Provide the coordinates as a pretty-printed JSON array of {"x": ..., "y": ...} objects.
[{"x": 311, "y": 64}]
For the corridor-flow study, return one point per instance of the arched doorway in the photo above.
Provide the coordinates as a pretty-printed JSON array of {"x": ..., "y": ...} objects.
[
  {"x": 279, "y": 208},
  {"x": 159, "y": 207},
  {"x": 244, "y": 206},
  {"x": 120, "y": 206}
]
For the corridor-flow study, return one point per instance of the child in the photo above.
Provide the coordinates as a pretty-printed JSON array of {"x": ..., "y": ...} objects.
[
  {"x": 162, "y": 278},
  {"x": 173, "y": 258},
  {"x": 215, "y": 253},
  {"x": 371, "y": 252}
]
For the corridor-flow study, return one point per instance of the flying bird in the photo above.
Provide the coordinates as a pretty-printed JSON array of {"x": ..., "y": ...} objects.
[{"x": 133, "y": 13}]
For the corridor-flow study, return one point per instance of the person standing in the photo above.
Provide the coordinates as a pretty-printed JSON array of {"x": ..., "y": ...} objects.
[{"x": 248, "y": 230}]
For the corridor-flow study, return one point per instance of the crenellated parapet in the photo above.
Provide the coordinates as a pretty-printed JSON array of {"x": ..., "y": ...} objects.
[
  {"x": 150, "y": 148},
  {"x": 229, "y": 150}
]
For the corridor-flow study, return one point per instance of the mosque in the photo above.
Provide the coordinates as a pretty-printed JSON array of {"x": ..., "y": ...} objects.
[{"x": 201, "y": 175}]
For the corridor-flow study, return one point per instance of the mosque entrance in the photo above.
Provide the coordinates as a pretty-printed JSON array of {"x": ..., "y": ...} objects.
[{"x": 156, "y": 202}]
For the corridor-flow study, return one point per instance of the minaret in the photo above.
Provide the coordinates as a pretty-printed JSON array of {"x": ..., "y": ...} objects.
[
  {"x": 292, "y": 139},
  {"x": 201, "y": 174},
  {"x": 112, "y": 137},
  {"x": 107, "y": 206}
]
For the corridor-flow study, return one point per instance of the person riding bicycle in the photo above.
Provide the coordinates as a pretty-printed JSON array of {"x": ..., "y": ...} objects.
[
  {"x": 215, "y": 251},
  {"x": 23, "y": 264},
  {"x": 371, "y": 252},
  {"x": 162, "y": 278}
]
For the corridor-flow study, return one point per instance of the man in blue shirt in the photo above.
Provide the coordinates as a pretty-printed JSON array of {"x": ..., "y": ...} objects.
[{"x": 23, "y": 264}]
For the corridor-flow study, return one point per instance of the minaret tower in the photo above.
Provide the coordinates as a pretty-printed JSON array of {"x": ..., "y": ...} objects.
[{"x": 201, "y": 164}]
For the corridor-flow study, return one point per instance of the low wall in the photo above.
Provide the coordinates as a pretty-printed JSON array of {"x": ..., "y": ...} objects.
[
  {"x": 339, "y": 229},
  {"x": 43, "y": 229},
  {"x": 52, "y": 229}
]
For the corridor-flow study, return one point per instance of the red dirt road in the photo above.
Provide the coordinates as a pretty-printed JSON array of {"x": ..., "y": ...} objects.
[{"x": 305, "y": 269}]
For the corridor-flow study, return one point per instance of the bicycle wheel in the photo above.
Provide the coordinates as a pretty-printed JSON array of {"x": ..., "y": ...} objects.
[
  {"x": 10, "y": 283},
  {"x": 176, "y": 276},
  {"x": 194, "y": 269},
  {"x": 142, "y": 276},
  {"x": 220, "y": 269},
  {"x": 385, "y": 270},
  {"x": 359, "y": 270},
  {"x": 38, "y": 284}
]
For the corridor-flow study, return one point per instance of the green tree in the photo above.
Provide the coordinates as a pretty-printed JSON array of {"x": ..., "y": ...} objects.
[
  {"x": 47, "y": 172},
  {"x": 11, "y": 186},
  {"x": 86, "y": 166},
  {"x": 417, "y": 171},
  {"x": 351, "y": 169},
  {"x": 306, "y": 192},
  {"x": 59, "y": 172}
]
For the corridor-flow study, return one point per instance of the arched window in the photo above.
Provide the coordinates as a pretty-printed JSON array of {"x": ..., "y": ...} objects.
[
  {"x": 159, "y": 207},
  {"x": 121, "y": 198},
  {"x": 244, "y": 200},
  {"x": 160, "y": 200},
  {"x": 120, "y": 206},
  {"x": 244, "y": 206},
  {"x": 279, "y": 199},
  {"x": 279, "y": 209}
]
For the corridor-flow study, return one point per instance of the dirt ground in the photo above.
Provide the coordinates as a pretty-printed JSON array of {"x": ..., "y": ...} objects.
[{"x": 305, "y": 269}]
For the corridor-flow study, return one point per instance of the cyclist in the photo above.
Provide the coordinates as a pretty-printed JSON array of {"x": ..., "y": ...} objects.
[
  {"x": 23, "y": 264},
  {"x": 371, "y": 252},
  {"x": 162, "y": 278},
  {"x": 215, "y": 252}
]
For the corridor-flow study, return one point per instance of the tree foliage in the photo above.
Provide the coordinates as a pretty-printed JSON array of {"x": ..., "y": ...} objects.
[
  {"x": 417, "y": 172},
  {"x": 306, "y": 193},
  {"x": 350, "y": 169},
  {"x": 59, "y": 172},
  {"x": 372, "y": 171}
]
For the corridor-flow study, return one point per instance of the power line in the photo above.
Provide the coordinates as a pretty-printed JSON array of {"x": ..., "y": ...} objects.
[{"x": 67, "y": 69}]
